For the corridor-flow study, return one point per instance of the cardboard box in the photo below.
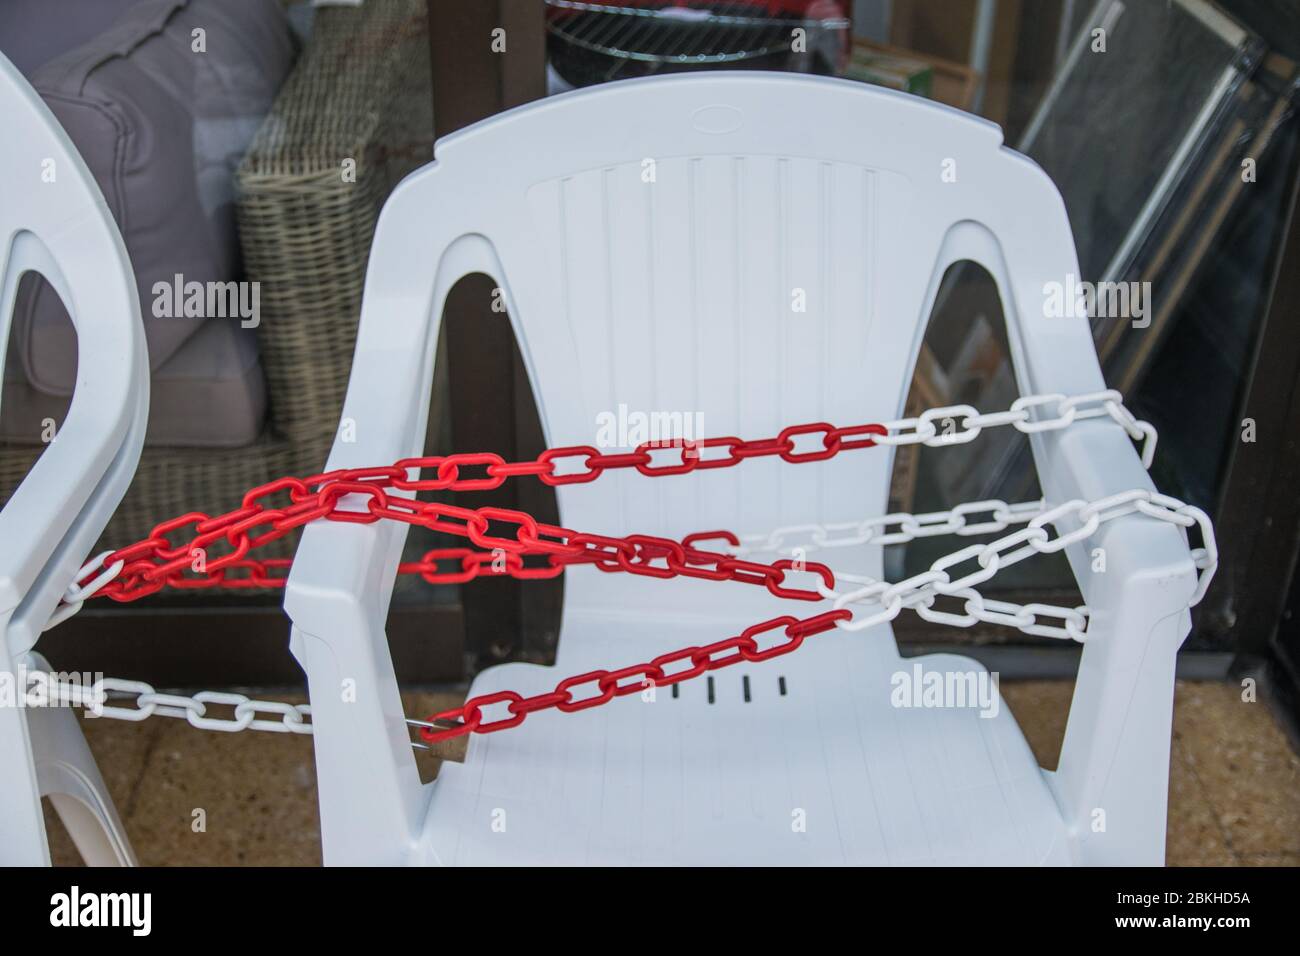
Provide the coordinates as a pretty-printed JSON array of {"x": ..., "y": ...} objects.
[{"x": 941, "y": 80}]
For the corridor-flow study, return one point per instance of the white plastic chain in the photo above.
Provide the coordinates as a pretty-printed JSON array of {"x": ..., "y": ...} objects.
[
  {"x": 966, "y": 422},
  {"x": 918, "y": 593},
  {"x": 875, "y": 530},
  {"x": 77, "y": 594},
  {"x": 287, "y": 719}
]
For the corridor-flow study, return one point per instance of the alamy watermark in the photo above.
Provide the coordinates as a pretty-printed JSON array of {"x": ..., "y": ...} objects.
[
  {"x": 976, "y": 689},
  {"x": 1073, "y": 299},
  {"x": 208, "y": 300},
  {"x": 133, "y": 911},
  {"x": 624, "y": 428},
  {"x": 38, "y": 688}
]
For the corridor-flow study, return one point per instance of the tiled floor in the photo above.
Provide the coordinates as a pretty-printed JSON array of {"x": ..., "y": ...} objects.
[{"x": 1234, "y": 794}]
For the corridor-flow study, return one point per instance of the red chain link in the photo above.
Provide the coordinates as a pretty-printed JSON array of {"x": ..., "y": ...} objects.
[
  {"x": 155, "y": 562},
  {"x": 630, "y": 680}
]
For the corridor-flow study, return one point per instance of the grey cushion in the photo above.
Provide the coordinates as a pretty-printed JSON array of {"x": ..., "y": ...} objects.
[
  {"x": 210, "y": 394},
  {"x": 33, "y": 32},
  {"x": 162, "y": 128}
]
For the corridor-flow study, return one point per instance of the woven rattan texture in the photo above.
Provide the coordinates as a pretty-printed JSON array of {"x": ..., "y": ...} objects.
[{"x": 360, "y": 91}]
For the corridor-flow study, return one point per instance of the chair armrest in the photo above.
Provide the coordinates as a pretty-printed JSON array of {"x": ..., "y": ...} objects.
[
  {"x": 1112, "y": 778},
  {"x": 344, "y": 568},
  {"x": 337, "y": 595},
  {"x": 387, "y": 406},
  {"x": 1096, "y": 459}
]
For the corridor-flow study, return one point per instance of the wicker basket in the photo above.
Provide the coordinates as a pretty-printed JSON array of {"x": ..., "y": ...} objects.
[
  {"x": 360, "y": 96},
  {"x": 360, "y": 90}
]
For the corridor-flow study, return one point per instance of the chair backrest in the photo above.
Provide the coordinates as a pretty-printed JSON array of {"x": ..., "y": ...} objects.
[
  {"x": 746, "y": 250},
  {"x": 54, "y": 221}
]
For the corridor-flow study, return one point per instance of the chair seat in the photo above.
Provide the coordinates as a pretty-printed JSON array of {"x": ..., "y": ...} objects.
[{"x": 830, "y": 771}]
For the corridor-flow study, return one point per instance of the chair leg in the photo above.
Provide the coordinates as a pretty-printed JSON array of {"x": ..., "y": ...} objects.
[
  {"x": 44, "y": 753},
  {"x": 372, "y": 804},
  {"x": 1113, "y": 777},
  {"x": 66, "y": 772},
  {"x": 22, "y": 826}
]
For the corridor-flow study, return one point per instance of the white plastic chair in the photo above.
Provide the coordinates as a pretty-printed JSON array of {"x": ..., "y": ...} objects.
[
  {"x": 648, "y": 238},
  {"x": 53, "y": 220}
]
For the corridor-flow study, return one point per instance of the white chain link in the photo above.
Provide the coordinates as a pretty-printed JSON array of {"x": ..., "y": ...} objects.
[
  {"x": 920, "y": 592},
  {"x": 1057, "y": 410},
  {"x": 76, "y": 594},
  {"x": 976, "y": 609},
  {"x": 288, "y": 719},
  {"x": 812, "y": 537},
  {"x": 149, "y": 703}
]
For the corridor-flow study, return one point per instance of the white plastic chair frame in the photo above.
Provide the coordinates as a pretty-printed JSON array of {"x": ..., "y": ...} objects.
[
  {"x": 54, "y": 221},
  {"x": 647, "y": 237}
]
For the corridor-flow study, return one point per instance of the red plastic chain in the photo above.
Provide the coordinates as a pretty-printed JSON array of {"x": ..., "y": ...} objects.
[
  {"x": 633, "y": 679},
  {"x": 155, "y": 562}
]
